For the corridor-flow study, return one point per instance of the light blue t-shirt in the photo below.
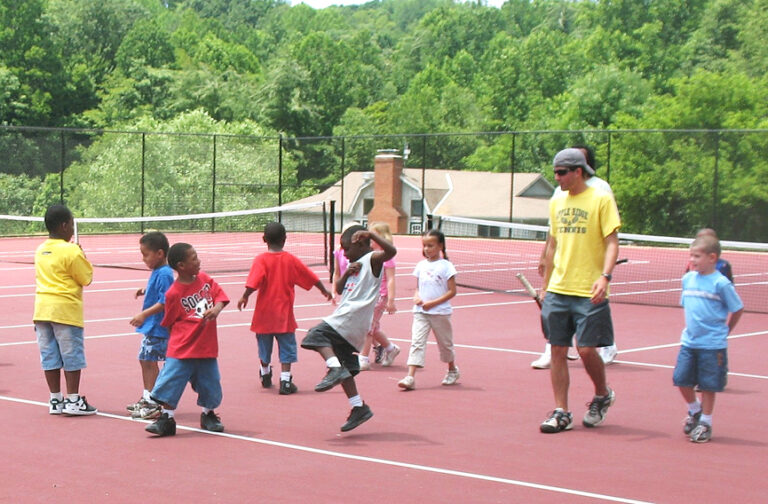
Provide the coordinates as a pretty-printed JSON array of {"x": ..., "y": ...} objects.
[
  {"x": 159, "y": 282},
  {"x": 707, "y": 300}
]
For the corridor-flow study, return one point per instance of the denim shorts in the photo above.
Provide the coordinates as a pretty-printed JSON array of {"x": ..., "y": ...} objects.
[
  {"x": 153, "y": 348},
  {"x": 61, "y": 346},
  {"x": 323, "y": 335},
  {"x": 706, "y": 368},
  {"x": 202, "y": 374},
  {"x": 563, "y": 316},
  {"x": 286, "y": 346}
]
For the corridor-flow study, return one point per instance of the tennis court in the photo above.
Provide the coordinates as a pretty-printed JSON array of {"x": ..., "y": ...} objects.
[{"x": 475, "y": 442}]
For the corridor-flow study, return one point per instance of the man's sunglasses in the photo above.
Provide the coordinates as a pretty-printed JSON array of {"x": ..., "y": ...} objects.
[{"x": 564, "y": 171}]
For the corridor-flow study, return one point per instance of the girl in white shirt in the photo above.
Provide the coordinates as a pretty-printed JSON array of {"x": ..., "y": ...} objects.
[{"x": 436, "y": 285}]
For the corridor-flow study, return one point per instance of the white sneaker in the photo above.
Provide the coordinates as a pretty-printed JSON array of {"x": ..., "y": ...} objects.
[
  {"x": 365, "y": 363},
  {"x": 451, "y": 377},
  {"x": 79, "y": 407},
  {"x": 388, "y": 356},
  {"x": 608, "y": 354},
  {"x": 55, "y": 406},
  {"x": 407, "y": 383},
  {"x": 572, "y": 356},
  {"x": 542, "y": 362}
]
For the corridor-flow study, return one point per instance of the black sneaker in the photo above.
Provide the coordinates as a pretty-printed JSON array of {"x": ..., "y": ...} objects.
[
  {"x": 163, "y": 426},
  {"x": 266, "y": 379},
  {"x": 334, "y": 376},
  {"x": 78, "y": 408},
  {"x": 287, "y": 387},
  {"x": 598, "y": 407},
  {"x": 378, "y": 351},
  {"x": 558, "y": 421},
  {"x": 211, "y": 422},
  {"x": 358, "y": 415},
  {"x": 691, "y": 421}
]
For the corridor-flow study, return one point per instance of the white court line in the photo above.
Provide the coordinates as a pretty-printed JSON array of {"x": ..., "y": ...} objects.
[{"x": 372, "y": 460}]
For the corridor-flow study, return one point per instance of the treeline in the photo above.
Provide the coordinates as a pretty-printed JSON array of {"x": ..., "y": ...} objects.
[{"x": 265, "y": 68}]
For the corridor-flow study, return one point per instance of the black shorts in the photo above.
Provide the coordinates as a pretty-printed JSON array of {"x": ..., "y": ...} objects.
[{"x": 323, "y": 335}]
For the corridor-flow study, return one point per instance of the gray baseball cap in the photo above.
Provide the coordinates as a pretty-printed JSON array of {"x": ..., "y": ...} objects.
[{"x": 572, "y": 157}]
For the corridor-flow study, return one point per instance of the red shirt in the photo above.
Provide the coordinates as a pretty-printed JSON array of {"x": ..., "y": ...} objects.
[
  {"x": 274, "y": 275},
  {"x": 191, "y": 338}
]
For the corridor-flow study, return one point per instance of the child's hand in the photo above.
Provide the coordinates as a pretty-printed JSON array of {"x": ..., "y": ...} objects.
[
  {"x": 417, "y": 300},
  {"x": 138, "y": 294},
  {"x": 391, "y": 308},
  {"x": 328, "y": 296},
  {"x": 138, "y": 320},
  {"x": 354, "y": 268},
  {"x": 428, "y": 305},
  {"x": 242, "y": 303},
  {"x": 212, "y": 313},
  {"x": 360, "y": 236}
]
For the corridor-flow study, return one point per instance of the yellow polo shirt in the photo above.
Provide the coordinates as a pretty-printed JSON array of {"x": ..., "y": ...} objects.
[
  {"x": 61, "y": 271},
  {"x": 579, "y": 224}
]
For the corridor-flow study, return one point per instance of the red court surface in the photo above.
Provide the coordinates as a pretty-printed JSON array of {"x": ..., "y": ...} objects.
[{"x": 475, "y": 442}]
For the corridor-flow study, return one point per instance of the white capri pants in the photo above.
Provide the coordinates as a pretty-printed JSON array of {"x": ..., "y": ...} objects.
[{"x": 441, "y": 327}]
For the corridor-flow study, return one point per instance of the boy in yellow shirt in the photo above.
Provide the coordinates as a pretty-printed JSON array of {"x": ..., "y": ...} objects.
[{"x": 61, "y": 272}]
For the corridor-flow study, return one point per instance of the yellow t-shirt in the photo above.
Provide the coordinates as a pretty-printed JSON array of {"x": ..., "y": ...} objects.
[
  {"x": 61, "y": 271},
  {"x": 579, "y": 225}
]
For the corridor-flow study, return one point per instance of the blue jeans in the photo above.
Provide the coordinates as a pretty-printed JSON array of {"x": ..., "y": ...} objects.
[
  {"x": 286, "y": 346},
  {"x": 61, "y": 346},
  {"x": 202, "y": 374},
  {"x": 706, "y": 368}
]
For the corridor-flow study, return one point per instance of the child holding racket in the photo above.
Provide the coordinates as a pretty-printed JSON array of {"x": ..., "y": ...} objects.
[
  {"x": 708, "y": 298},
  {"x": 435, "y": 286},
  {"x": 154, "y": 342},
  {"x": 386, "y": 303},
  {"x": 275, "y": 274},
  {"x": 61, "y": 272},
  {"x": 192, "y": 304},
  {"x": 340, "y": 335}
]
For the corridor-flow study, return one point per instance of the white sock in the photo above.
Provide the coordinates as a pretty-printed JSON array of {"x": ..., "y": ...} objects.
[
  {"x": 146, "y": 396},
  {"x": 57, "y": 395},
  {"x": 170, "y": 412},
  {"x": 332, "y": 362},
  {"x": 363, "y": 358},
  {"x": 355, "y": 401},
  {"x": 390, "y": 347},
  {"x": 707, "y": 419},
  {"x": 206, "y": 411},
  {"x": 285, "y": 376},
  {"x": 266, "y": 370},
  {"x": 694, "y": 407},
  {"x": 73, "y": 397}
]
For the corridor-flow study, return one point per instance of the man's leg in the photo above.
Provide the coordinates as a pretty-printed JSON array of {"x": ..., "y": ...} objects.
[{"x": 558, "y": 373}]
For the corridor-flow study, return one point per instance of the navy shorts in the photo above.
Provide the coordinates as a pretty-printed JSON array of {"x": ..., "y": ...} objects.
[
  {"x": 706, "y": 368},
  {"x": 563, "y": 317},
  {"x": 323, "y": 335}
]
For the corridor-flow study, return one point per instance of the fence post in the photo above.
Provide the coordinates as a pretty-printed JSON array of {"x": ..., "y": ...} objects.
[
  {"x": 341, "y": 197},
  {"x": 143, "y": 184},
  {"x": 213, "y": 184},
  {"x": 280, "y": 176},
  {"x": 608, "y": 164},
  {"x": 716, "y": 180},
  {"x": 61, "y": 169},
  {"x": 512, "y": 169}
]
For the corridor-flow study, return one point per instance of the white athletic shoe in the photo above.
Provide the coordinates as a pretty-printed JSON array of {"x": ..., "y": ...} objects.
[{"x": 545, "y": 360}]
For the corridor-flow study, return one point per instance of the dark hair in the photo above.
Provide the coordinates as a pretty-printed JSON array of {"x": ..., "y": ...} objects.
[
  {"x": 155, "y": 240},
  {"x": 274, "y": 233},
  {"x": 177, "y": 253},
  {"x": 347, "y": 234},
  {"x": 440, "y": 239},
  {"x": 55, "y": 216},
  {"x": 590, "y": 156}
]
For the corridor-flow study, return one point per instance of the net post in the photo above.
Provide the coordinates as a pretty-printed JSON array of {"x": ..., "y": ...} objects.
[
  {"x": 430, "y": 221},
  {"x": 325, "y": 233},
  {"x": 331, "y": 239}
]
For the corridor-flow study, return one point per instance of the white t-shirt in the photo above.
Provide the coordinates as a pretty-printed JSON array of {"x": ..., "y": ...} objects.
[{"x": 433, "y": 279}]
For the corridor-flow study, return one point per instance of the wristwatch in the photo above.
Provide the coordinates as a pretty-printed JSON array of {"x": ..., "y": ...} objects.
[{"x": 607, "y": 276}]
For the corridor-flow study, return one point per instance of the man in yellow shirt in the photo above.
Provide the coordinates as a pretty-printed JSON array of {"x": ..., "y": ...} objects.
[
  {"x": 61, "y": 272},
  {"x": 584, "y": 224}
]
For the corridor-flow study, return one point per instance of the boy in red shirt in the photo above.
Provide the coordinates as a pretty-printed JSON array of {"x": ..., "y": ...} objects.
[
  {"x": 274, "y": 274},
  {"x": 192, "y": 304}
]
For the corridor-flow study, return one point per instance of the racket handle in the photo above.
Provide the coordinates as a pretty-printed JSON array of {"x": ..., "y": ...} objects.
[{"x": 529, "y": 288}]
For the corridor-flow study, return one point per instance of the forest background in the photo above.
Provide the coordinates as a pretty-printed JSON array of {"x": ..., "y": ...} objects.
[{"x": 673, "y": 93}]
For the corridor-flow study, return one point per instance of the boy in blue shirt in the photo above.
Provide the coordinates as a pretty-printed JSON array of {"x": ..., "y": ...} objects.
[
  {"x": 708, "y": 298},
  {"x": 154, "y": 251}
]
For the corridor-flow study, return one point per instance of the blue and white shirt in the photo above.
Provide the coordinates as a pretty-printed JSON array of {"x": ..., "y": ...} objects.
[{"x": 707, "y": 300}]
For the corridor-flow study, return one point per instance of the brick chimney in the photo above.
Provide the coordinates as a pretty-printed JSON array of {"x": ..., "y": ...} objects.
[{"x": 388, "y": 192}]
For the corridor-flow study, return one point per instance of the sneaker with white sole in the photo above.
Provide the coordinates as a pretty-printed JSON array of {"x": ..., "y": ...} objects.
[
  {"x": 558, "y": 421},
  {"x": 388, "y": 356},
  {"x": 407, "y": 383},
  {"x": 451, "y": 377},
  {"x": 691, "y": 421},
  {"x": 148, "y": 412},
  {"x": 365, "y": 363},
  {"x": 702, "y": 433},
  {"x": 543, "y": 362},
  {"x": 55, "y": 406},
  {"x": 79, "y": 407},
  {"x": 598, "y": 408}
]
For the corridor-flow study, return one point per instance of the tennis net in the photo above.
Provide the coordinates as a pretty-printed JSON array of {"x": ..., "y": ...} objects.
[
  {"x": 489, "y": 254},
  {"x": 224, "y": 241}
]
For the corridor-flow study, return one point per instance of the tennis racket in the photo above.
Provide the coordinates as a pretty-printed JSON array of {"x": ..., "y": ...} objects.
[{"x": 529, "y": 288}]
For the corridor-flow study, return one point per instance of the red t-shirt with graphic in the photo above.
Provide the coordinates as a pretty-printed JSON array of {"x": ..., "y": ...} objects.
[
  {"x": 274, "y": 275},
  {"x": 191, "y": 336}
]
